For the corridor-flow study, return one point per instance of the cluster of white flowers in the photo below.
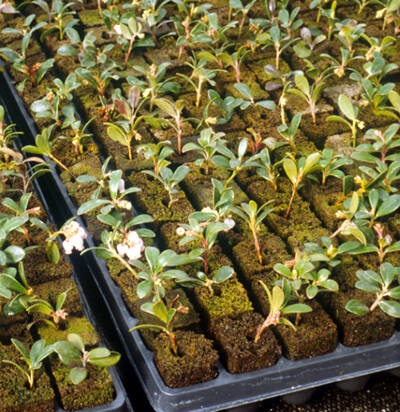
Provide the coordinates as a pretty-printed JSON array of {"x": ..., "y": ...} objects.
[
  {"x": 123, "y": 204},
  {"x": 132, "y": 246},
  {"x": 74, "y": 237}
]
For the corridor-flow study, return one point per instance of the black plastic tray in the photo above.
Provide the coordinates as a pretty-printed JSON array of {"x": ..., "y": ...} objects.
[
  {"x": 227, "y": 390},
  {"x": 121, "y": 402}
]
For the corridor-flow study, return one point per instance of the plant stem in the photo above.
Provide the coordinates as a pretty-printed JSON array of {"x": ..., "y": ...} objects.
[
  {"x": 198, "y": 92},
  {"x": 123, "y": 261},
  {"x": 129, "y": 50},
  {"x": 378, "y": 300},
  {"x": 55, "y": 160},
  {"x": 256, "y": 244},
  {"x": 291, "y": 201}
]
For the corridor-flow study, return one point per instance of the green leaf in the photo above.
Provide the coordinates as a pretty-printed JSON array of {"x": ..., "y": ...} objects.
[
  {"x": 283, "y": 270},
  {"x": 296, "y": 308},
  {"x": 244, "y": 90},
  {"x": 160, "y": 310},
  {"x": 290, "y": 169},
  {"x": 92, "y": 204},
  {"x": 267, "y": 104},
  {"x": 390, "y": 205},
  {"x": 394, "y": 98},
  {"x": 144, "y": 288},
  {"x": 390, "y": 307},
  {"x": 9, "y": 282},
  {"x": 311, "y": 291},
  {"x": 356, "y": 307},
  {"x": 222, "y": 274},
  {"x": 77, "y": 375},
  {"x": 53, "y": 253},
  {"x": 104, "y": 361},
  {"x": 302, "y": 84},
  {"x": 14, "y": 254},
  {"x": 395, "y": 292},
  {"x": 346, "y": 106},
  {"x": 117, "y": 134},
  {"x": 21, "y": 348},
  {"x": 76, "y": 340}
]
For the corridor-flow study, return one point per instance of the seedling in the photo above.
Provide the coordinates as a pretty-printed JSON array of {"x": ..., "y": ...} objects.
[
  {"x": 130, "y": 31},
  {"x": 43, "y": 146},
  {"x": 97, "y": 69},
  {"x": 382, "y": 148},
  {"x": 52, "y": 105},
  {"x": 267, "y": 169},
  {"x": 306, "y": 46},
  {"x": 372, "y": 91},
  {"x": 348, "y": 227},
  {"x": 340, "y": 66},
  {"x": 125, "y": 130},
  {"x": 245, "y": 91},
  {"x": 350, "y": 113},
  {"x": 207, "y": 147},
  {"x": 170, "y": 180},
  {"x": 234, "y": 164},
  {"x": 155, "y": 84},
  {"x": 289, "y": 133},
  {"x": 383, "y": 285},
  {"x": 278, "y": 305},
  {"x": 36, "y": 72},
  {"x": 202, "y": 75},
  {"x": 17, "y": 292},
  {"x": 240, "y": 9},
  {"x": 7, "y": 135},
  {"x": 349, "y": 31},
  {"x": 158, "y": 153},
  {"x": 309, "y": 93},
  {"x": 56, "y": 313},
  {"x": 158, "y": 269},
  {"x": 330, "y": 164},
  {"x": 21, "y": 208},
  {"x": 174, "y": 110},
  {"x": 279, "y": 41},
  {"x": 116, "y": 196},
  {"x": 72, "y": 352},
  {"x": 304, "y": 278},
  {"x": 33, "y": 359},
  {"x": 254, "y": 216},
  {"x": 377, "y": 204},
  {"x": 384, "y": 245},
  {"x": 57, "y": 14},
  {"x": 202, "y": 227},
  {"x": 297, "y": 170},
  {"x": 166, "y": 316}
]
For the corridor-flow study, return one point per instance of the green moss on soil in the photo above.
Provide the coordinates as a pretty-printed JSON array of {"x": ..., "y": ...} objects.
[
  {"x": 15, "y": 395},
  {"x": 228, "y": 299},
  {"x": 236, "y": 340},
  {"x": 80, "y": 326},
  {"x": 96, "y": 389},
  {"x": 196, "y": 360}
]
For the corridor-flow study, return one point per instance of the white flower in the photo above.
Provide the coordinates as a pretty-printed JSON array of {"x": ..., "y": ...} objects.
[
  {"x": 74, "y": 237},
  {"x": 121, "y": 186},
  {"x": 180, "y": 231},
  {"x": 230, "y": 223},
  {"x": 132, "y": 246},
  {"x": 117, "y": 29}
]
